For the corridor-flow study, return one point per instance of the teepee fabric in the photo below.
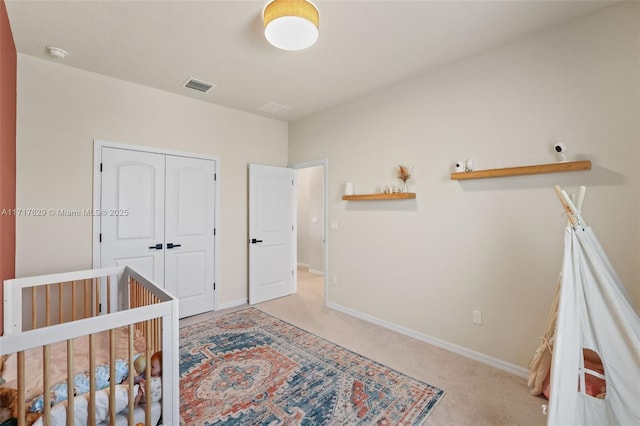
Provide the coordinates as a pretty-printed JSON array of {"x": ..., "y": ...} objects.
[{"x": 594, "y": 313}]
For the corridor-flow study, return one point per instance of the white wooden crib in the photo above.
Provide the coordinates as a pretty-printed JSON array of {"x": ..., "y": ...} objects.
[{"x": 99, "y": 312}]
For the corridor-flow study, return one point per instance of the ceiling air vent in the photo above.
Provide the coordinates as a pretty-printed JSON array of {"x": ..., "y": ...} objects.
[
  {"x": 198, "y": 85},
  {"x": 273, "y": 108}
]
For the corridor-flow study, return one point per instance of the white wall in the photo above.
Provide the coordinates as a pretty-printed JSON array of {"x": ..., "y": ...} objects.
[
  {"x": 310, "y": 203},
  {"x": 494, "y": 245},
  {"x": 61, "y": 110}
]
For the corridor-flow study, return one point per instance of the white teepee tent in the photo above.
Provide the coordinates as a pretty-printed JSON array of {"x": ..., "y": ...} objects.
[{"x": 596, "y": 323}]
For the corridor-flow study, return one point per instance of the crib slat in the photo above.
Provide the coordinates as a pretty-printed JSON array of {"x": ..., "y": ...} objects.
[
  {"x": 132, "y": 293},
  {"x": 154, "y": 334},
  {"x": 46, "y": 382},
  {"x": 70, "y": 388},
  {"x": 156, "y": 299},
  {"x": 97, "y": 286},
  {"x": 34, "y": 306},
  {"x": 73, "y": 301},
  {"x": 136, "y": 293},
  {"x": 60, "y": 316},
  {"x": 108, "y": 294},
  {"x": 21, "y": 383},
  {"x": 131, "y": 376},
  {"x": 92, "y": 380},
  {"x": 137, "y": 302},
  {"x": 112, "y": 376},
  {"x": 48, "y": 304},
  {"x": 87, "y": 298},
  {"x": 147, "y": 376}
]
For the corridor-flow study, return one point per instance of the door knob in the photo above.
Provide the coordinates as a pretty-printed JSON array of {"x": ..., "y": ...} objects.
[
  {"x": 171, "y": 245},
  {"x": 156, "y": 247},
  {"x": 253, "y": 241}
]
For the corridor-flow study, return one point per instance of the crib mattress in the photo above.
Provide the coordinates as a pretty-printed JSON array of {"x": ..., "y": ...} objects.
[
  {"x": 81, "y": 408},
  {"x": 58, "y": 360},
  {"x": 138, "y": 415}
]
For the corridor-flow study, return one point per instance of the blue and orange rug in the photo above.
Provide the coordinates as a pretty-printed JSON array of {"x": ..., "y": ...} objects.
[{"x": 249, "y": 368}]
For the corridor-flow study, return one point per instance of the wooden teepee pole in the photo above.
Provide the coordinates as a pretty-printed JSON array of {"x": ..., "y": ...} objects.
[{"x": 573, "y": 212}]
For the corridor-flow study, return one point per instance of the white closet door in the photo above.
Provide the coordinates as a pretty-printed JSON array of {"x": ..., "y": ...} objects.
[
  {"x": 132, "y": 205},
  {"x": 189, "y": 232},
  {"x": 159, "y": 218}
]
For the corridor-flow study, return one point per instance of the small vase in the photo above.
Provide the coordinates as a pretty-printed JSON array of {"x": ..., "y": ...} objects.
[{"x": 404, "y": 186}]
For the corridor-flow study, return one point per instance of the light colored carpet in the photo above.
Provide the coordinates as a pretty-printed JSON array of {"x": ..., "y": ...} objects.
[{"x": 476, "y": 394}]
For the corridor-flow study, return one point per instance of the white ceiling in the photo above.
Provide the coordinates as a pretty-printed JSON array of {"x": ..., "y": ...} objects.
[{"x": 363, "y": 46}]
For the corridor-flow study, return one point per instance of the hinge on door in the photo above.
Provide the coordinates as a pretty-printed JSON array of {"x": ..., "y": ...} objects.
[
  {"x": 214, "y": 231},
  {"x": 100, "y": 167},
  {"x": 99, "y": 307},
  {"x": 100, "y": 238},
  {"x": 215, "y": 176},
  {"x": 292, "y": 272},
  {"x": 214, "y": 286},
  {"x": 292, "y": 182}
]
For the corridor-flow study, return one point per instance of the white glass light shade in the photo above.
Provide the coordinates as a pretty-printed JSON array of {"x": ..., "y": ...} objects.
[{"x": 291, "y": 24}]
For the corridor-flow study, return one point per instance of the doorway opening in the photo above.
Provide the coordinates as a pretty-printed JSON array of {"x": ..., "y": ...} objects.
[{"x": 312, "y": 244}]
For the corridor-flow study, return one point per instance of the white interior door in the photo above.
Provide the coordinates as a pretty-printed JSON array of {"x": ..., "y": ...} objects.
[
  {"x": 271, "y": 232},
  {"x": 132, "y": 199},
  {"x": 189, "y": 233}
]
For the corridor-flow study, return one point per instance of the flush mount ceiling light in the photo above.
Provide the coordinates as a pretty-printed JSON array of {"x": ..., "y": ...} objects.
[{"x": 291, "y": 24}]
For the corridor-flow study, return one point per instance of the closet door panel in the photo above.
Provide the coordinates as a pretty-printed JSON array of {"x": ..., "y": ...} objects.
[
  {"x": 189, "y": 232},
  {"x": 132, "y": 211}
]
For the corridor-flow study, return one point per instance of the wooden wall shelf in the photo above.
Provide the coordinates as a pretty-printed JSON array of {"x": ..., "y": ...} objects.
[
  {"x": 396, "y": 196},
  {"x": 569, "y": 166}
]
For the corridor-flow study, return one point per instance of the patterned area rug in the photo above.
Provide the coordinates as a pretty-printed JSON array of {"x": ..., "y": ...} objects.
[{"x": 249, "y": 368}]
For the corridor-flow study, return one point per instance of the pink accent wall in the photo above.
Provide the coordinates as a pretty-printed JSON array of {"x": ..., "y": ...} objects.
[{"x": 8, "y": 84}]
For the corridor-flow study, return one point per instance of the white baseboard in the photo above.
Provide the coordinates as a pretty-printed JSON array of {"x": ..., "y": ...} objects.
[
  {"x": 460, "y": 350},
  {"x": 232, "y": 304},
  {"x": 303, "y": 265},
  {"x": 316, "y": 271}
]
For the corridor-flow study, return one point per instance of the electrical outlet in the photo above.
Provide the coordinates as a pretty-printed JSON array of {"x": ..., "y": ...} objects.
[
  {"x": 334, "y": 225},
  {"x": 477, "y": 317},
  {"x": 334, "y": 280}
]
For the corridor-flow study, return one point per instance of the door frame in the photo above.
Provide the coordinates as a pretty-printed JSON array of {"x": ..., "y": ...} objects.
[
  {"x": 325, "y": 164},
  {"x": 97, "y": 196}
]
